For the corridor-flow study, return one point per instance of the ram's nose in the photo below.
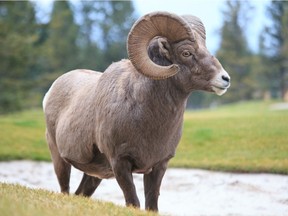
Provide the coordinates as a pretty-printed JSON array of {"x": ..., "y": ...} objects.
[
  {"x": 226, "y": 78},
  {"x": 221, "y": 82}
]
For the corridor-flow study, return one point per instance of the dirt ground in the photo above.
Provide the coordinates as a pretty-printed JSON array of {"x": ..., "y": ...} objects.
[{"x": 183, "y": 191}]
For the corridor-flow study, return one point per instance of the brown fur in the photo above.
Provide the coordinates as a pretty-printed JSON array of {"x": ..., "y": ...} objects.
[{"x": 120, "y": 122}]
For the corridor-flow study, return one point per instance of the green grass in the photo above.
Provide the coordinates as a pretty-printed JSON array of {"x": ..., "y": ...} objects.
[
  {"x": 243, "y": 137},
  {"x": 18, "y": 200},
  {"x": 23, "y": 136}
]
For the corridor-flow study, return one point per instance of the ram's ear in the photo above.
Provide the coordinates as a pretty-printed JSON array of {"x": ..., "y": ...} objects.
[
  {"x": 164, "y": 48},
  {"x": 159, "y": 51}
]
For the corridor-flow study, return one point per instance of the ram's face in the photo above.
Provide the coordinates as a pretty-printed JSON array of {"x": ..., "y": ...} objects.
[
  {"x": 199, "y": 70},
  {"x": 176, "y": 46}
]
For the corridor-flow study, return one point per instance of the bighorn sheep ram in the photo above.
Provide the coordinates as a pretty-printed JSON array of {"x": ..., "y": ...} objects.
[{"x": 129, "y": 118}]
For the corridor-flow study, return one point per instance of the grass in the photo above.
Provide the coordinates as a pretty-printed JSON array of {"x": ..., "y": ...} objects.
[
  {"x": 243, "y": 137},
  {"x": 23, "y": 136},
  {"x": 18, "y": 200}
]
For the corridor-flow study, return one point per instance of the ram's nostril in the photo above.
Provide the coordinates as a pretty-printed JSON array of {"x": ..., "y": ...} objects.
[{"x": 225, "y": 78}]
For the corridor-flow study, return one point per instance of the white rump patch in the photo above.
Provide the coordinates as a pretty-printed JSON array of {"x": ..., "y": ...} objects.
[{"x": 44, "y": 102}]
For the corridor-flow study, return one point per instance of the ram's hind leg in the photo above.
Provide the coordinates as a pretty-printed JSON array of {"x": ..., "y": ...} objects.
[
  {"x": 88, "y": 185},
  {"x": 61, "y": 167}
]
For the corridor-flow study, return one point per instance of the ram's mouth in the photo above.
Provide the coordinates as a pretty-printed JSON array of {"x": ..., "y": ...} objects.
[{"x": 219, "y": 90}]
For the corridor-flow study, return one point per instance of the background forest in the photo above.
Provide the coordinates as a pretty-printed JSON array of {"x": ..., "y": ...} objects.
[{"x": 34, "y": 53}]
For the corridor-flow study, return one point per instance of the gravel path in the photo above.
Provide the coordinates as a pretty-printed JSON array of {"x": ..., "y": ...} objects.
[{"x": 183, "y": 191}]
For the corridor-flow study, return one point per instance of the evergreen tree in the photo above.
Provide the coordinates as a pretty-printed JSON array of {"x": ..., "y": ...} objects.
[
  {"x": 61, "y": 45},
  {"x": 34, "y": 54},
  {"x": 277, "y": 50},
  {"x": 234, "y": 53},
  {"x": 18, "y": 33},
  {"x": 90, "y": 54},
  {"x": 104, "y": 29},
  {"x": 116, "y": 20}
]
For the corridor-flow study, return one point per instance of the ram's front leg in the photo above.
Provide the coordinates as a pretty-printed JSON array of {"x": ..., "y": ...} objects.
[
  {"x": 152, "y": 183},
  {"x": 123, "y": 172}
]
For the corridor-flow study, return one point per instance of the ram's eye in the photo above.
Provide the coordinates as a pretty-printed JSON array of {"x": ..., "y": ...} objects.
[{"x": 186, "y": 53}]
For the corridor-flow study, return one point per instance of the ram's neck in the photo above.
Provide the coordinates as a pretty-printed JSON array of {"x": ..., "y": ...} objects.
[
  {"x": 131, "y": 90},
  {"x": 166, "y": 95}
]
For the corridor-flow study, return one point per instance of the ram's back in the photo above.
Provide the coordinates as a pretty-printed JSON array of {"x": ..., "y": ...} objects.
[{"x": 70, "y": 89}]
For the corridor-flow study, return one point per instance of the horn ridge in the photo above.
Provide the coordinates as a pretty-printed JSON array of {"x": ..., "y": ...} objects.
[{"x": 164, "y": 24}]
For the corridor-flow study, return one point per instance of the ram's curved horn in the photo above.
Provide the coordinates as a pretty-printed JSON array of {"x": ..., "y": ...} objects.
[
  {"x": 171, "y": 26},
  {"x": 196, "y": 25}
]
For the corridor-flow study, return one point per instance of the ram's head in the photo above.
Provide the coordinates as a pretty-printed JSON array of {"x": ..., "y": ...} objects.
[{"x": 162, "y": 45}]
